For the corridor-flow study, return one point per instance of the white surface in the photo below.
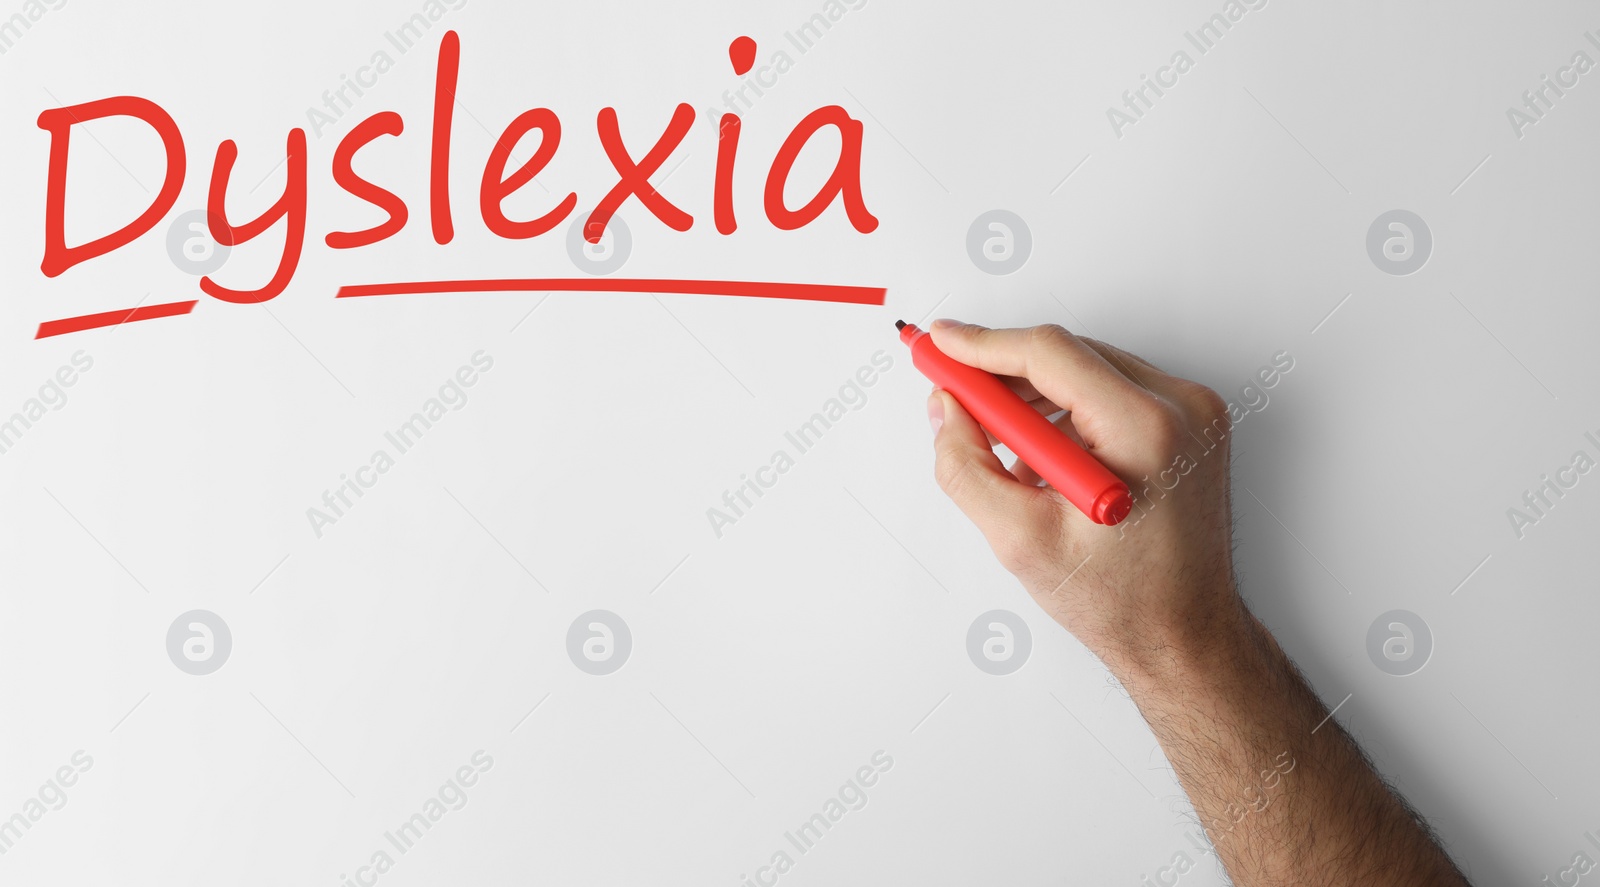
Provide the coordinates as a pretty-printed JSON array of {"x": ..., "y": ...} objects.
[{"x": 770, "y": 664}]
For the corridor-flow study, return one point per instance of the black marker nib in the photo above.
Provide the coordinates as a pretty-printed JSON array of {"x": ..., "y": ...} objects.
[{"x": 899, "y": 324}]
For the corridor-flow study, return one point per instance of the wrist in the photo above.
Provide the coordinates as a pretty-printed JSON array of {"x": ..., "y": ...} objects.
[{"x": 1217, "y": 632}]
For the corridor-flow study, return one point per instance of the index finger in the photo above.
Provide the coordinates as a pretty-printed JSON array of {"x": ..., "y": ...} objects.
[{"x": 1062, "y": 367}]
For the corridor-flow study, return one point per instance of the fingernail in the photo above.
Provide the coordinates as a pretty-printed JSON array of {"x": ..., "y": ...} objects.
[
  {"x": 944, "y": 323},
  {"x": 935, "y": 412}
]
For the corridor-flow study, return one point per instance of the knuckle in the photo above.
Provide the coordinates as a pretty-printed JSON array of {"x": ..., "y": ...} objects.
[
  {"x": 1167, "y": 424},
  {"x": 1207, "y": 404},
  {"x": 1048, "y": 336}
]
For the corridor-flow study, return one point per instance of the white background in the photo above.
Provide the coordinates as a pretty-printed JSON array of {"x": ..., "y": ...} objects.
[{"x": 830, "y": 622}]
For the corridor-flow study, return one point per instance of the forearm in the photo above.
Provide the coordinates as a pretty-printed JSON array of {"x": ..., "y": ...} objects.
[{"x": 1284, "y": 794}]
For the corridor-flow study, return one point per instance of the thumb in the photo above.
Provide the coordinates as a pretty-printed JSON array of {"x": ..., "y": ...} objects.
[{"x": 971, "y": 474}]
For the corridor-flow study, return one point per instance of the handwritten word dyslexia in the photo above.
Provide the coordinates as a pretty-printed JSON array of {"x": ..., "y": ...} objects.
[{"x": 497, "y": 183}]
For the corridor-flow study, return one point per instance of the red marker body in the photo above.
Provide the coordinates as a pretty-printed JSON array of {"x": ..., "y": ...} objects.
[{"x": 1057, "y": 458}]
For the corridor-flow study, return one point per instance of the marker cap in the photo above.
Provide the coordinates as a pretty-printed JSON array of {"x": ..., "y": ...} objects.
[{"x": 1111, "y": 507}]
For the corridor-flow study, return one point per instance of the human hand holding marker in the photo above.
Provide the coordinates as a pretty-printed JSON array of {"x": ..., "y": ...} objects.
[
  {"x": 1174, "y": 567},
  {"x": 1283, "y": 793},
  {"x": 1008, "y": 418}
]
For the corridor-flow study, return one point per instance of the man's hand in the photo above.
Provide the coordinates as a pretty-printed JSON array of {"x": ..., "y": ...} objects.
[
  {"x": 1281, "y": 790},
  {"x": 1166, "y": 572}
]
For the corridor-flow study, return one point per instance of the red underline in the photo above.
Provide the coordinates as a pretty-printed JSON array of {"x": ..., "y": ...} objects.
[
  {"x": 112, "y": 318},
  {"x": 810, "y": 292},
  {"x": 813, "y": 292}
]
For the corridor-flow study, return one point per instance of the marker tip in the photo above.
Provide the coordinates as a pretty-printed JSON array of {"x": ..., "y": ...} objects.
[{"x": 899, "y": 324}]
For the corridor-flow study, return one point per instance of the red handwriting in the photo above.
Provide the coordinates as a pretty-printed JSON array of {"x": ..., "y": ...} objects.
[{"x": 288, "y": 211}]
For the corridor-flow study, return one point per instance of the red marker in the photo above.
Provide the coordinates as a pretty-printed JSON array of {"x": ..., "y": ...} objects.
[{"x": 1074, "y": 473}]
